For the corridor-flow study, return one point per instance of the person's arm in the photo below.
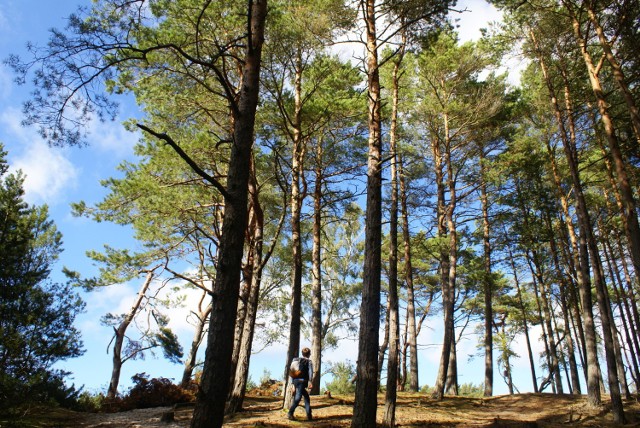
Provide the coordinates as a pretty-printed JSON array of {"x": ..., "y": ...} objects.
[{"x": 310, "y": 374}]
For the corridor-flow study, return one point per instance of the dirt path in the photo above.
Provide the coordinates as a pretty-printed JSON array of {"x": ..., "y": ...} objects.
[{"x": 414, "y": 410}]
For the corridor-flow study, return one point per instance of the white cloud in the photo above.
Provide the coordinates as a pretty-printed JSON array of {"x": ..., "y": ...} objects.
[
  {"x": 5, "y": 80},
  {"x": 4, "y": 22},
  {"x": 113, "y": 298},
  {"x": 112, "y": 137},
  {"x": 49, "y": 173},
  {"x": 477, "y": 14}
]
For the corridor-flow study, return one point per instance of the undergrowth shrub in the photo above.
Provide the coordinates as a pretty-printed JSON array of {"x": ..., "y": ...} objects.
[
  {"x": 147, "y": 393},
  {"x": 343, "y": 378}
]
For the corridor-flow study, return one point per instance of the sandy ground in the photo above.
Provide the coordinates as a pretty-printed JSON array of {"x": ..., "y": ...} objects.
[{"x": 414, "y": 410}]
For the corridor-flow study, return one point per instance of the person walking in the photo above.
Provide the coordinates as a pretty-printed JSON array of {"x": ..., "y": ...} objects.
[{"x": 301, "y": 381}]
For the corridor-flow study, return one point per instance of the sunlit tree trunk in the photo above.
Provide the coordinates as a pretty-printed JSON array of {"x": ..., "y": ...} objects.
[
  {"x": 629, "y": 214},
  {"x": 119, "y": 335},
  {"x": 618, "y": 74},
  {"x": 316, "y": 276},
  {"x": 593, "y": 378},
  {"x": 447, "y": 298},
  {"x": 296, "y": 241},
  {"x": 201, "y": 318},
  {"x": 411, "y": 332}
]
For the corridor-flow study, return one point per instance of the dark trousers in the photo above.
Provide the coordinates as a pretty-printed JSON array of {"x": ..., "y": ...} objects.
[{"x": 301, "y": 391}]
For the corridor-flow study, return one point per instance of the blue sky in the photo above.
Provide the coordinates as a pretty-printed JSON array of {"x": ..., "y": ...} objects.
[{"x": 60, "y": 176}]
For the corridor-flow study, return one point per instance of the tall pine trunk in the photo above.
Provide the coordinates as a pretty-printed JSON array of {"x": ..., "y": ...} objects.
[
  {"x": 316, "y": 276},
  {"x": 412, "y": 335},
  {"x": 487, "y": 279},
  {"x": 296, "y": 241},
  {"x": 256, "y": 264},
  {"x": 444, "y": 259},
  {"x": 214, "y": 386},
  {"x": 364, "y": 410},
  {"x": 394, "y": 317},
  {"x": 593, "y": 378}
]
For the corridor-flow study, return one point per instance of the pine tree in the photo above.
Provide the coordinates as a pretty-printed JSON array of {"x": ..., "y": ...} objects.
[{"x": 36, "y": 324}]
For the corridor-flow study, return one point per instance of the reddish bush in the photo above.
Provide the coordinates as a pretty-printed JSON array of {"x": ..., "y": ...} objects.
[{"x": 146, "y": 393}]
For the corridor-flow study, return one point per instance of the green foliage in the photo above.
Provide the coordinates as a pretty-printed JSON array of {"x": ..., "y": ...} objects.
[
  {"x": 471, "y": 390},
  {"x": 170, "y": 345},
  {"x": 265, "y": 379},
  {"x": 36, "y": 325},
  {"x": 251, "y": 384},
  {"x": 426, "y": 389},
  {"x": 343, "y": 373}
]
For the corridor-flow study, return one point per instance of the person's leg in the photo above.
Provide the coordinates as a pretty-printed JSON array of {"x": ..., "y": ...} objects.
[
  {"x": 297, "y": 397},
  {"x": 307, "y": 402}
]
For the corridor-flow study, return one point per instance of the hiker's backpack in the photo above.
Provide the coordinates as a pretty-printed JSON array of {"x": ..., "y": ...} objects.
[{"x": 297, "y": 368}]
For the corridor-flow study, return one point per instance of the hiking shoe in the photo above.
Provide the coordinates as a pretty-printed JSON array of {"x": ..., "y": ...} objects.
[
  {"x": 309, "y": 418},
  {"x": 290, "y": 417}
]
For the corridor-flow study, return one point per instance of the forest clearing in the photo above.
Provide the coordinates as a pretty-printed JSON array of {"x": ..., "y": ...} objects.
[{"x": 414, "y": 410}]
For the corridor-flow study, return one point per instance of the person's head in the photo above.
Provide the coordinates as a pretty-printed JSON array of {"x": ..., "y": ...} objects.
[{"x": 306, "y": 352}]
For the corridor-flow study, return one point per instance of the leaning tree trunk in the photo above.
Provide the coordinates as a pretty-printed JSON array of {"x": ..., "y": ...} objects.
[
  {"x": 245, "y": 289},
  {"x": 593, "y": 378},
  {"x": 616, "y": 70},
  {"x": 214, "y": 386},
  {"x": 236, "y": 397},
  {"x": 244, "y": 355},
  {"x": 364, "y": 410},
  {"x": 631, "y": 336},
  {"x": 119, "y": 335},
  {"x": 190, "y": 364},
  {"x": 532, "y": 365}
]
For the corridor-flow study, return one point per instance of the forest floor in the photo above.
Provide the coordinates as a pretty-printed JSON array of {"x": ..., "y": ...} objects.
[{"x": 414, "y": 410}]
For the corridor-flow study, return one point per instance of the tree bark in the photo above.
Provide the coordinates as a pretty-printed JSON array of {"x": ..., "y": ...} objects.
[
  {"x": 593, "y": 379},
  {"x": 445, "y": 271},
  {"x": 618, "y": 74},
  {"x": 296, "y": 241},
  {"x": 214, "y": 386},
  {"x": 255, "y": 263},
  {"x": 412, "y": 335},
  {"x": 394, "y": 317},
  {"x": 364, "y": 411},
  {"x": 316, "y": 277},
  {"x": 487, "y": 279}
]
